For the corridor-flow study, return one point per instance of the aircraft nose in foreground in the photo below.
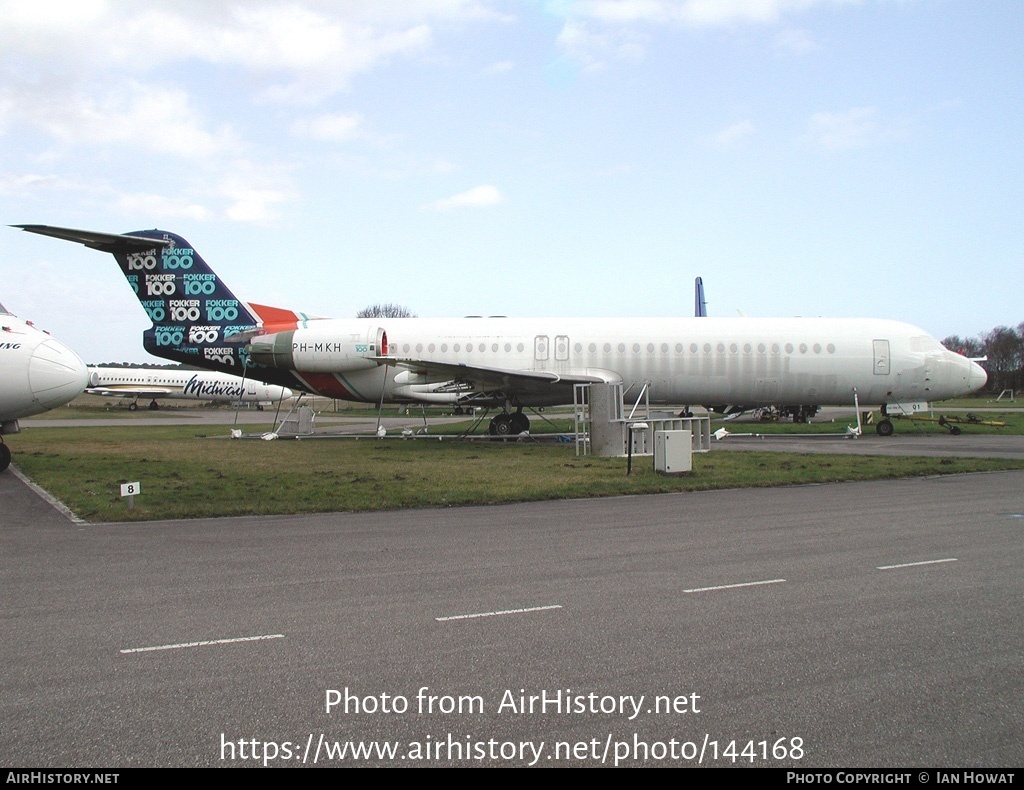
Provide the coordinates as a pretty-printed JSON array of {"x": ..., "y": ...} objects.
[
  {"x": 56, "y": 374},
  {"x": 977, "y": 377}
]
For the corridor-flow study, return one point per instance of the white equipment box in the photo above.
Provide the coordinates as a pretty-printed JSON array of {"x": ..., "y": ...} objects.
[{"x": 673, "y": 452}]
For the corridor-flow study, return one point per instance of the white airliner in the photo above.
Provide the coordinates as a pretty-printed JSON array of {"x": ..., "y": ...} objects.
[
  {"x": 511, "y": 363},
  {"x": 200, "y": 385},
  {"x": 36, "y": 374}
]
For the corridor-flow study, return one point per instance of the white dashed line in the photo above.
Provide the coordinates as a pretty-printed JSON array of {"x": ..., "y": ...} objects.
[
  {"x": 912, "y": 564},
  {"x": 734, "y": 586},
  {"x": 204, "y": 644},
  {"x": 495, "y": 614}
]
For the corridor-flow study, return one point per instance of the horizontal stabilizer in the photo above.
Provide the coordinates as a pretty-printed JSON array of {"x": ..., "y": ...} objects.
[{"x": 105, "y": 242}]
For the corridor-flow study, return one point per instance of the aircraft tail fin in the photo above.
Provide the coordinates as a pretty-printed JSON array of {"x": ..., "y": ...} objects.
[
  {"x": 196, "y": 318},
  {"x": 700, "y": 306}
]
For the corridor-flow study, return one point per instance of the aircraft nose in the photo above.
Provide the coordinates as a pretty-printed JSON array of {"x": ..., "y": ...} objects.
[
  {"x": 56, "y": 374},
  {"x": 977, "y": 378}
]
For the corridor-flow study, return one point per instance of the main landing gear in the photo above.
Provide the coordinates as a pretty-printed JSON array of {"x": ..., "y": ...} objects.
[
  {"x": 134, "y": 405},
  {"x": 506, "y": 424},
  {"x": 5, "y": 455}
]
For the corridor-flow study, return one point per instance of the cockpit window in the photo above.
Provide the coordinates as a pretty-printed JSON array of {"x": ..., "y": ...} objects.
[{"x": 925, "y": 343}]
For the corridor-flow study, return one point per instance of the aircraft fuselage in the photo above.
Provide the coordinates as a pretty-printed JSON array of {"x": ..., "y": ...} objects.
[{"x": 689, "y": 361}]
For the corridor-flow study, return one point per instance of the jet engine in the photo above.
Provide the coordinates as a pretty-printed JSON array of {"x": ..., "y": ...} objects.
[{"x": 327, "y": 347}]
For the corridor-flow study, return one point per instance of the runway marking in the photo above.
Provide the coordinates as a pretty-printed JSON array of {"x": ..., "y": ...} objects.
[
  {"x": 734, "y": 586},
  {"x": 203, "y": 644},
  {"x": 912, "y": 564},
  {"x": 495, "y": 614}
]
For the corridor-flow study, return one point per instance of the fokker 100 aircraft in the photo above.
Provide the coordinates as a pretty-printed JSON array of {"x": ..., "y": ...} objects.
[
  {"x": 36, "y": 374},
  {"x": 511, "y": 363},
  {"x": 201, "y": 385}
]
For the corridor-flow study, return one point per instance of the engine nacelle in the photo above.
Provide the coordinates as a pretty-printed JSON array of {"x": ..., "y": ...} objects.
[{"x": 325, "y": 347}]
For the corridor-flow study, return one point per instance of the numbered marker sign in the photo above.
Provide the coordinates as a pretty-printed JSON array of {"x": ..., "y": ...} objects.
[{"x": 130, "y": 489}]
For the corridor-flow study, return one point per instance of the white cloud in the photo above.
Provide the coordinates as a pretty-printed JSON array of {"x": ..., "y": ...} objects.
[
  {"x": 597, "y": 31},
  {"x": 501, "y": 67},
  {"x": 731, "y": 135},
  {"x": 692, "y": 13},
  {"x": 297, "y": 52},
  {"x": 145, "y": 117},
  {"x": 252, "y": 191},
  {"x": 330, "y": 127},
  {"x": 150, "y": 205},
  {"x": 28, "y": 183},
  {"x": 795, "y": 42},
  {"x": 484, "y": 195},
  {"x": 857, "y": 127},
  {"x": 593, "y": 49}
]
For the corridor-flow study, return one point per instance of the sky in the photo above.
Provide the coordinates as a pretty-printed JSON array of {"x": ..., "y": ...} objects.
[{"x": 561, "y": 157}]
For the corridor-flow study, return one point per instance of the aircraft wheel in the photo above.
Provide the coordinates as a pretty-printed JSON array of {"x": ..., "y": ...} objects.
[
  {"x": 133, "y": 406},
  {"x": 519, "y": 422},
  {"x": 153, "y": 406},
  {"x": 500, "y": 425},
  {"x": 5, "y": 457},
  {"x": 884, "y": 428},
  {"x": 954, "y": 430}
]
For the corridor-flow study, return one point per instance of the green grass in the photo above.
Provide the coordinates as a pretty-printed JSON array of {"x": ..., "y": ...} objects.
[{"x": 185, "y": 476}]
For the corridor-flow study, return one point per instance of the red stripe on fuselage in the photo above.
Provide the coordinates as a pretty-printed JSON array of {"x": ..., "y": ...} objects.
[{"x": 325, "y": 384}]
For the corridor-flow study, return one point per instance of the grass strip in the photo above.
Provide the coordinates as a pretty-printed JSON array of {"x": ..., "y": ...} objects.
[{"x": 184, "y": 475}]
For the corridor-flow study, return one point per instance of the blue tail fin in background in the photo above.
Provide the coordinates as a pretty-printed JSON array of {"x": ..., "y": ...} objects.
[{"x": 700, "y": 307}]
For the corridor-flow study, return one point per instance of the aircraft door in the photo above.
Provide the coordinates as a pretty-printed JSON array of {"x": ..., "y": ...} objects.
[
  {"x": 881, "y": 357},
  {"x": 561, "y": 348},
  {"x": 540, "y": 348}
]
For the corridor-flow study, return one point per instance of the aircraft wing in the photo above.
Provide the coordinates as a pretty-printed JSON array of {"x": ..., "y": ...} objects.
[
  {"x": 533, "y": 383},
  {"x": 106, "y": 242}
]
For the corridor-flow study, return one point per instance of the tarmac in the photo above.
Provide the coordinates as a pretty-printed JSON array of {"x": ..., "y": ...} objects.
[{"x": 861, "y": 625}]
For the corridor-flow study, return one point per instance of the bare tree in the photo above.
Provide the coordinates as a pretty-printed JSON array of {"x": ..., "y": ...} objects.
[{"x": 385, "y": 311}]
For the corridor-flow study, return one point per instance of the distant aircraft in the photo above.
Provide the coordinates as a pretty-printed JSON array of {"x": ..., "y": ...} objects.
[
  {"x": 511, "y": 363},
  {"x": 700, "y": 305},
  {"x": 181, "y": 384},
  {"x": 36, "y": 374}
]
